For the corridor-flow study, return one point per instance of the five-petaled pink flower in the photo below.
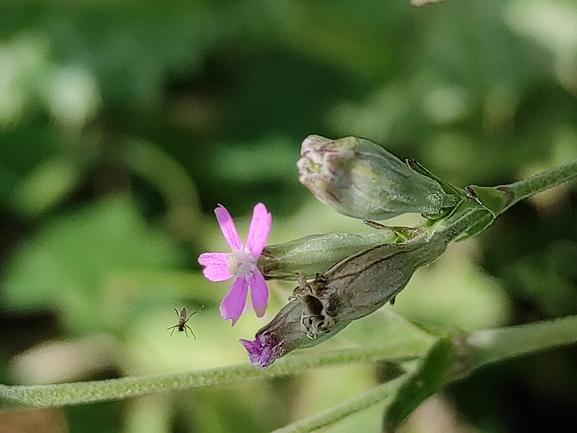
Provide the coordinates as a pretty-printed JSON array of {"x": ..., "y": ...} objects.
[{"x": 241, "y": 263}]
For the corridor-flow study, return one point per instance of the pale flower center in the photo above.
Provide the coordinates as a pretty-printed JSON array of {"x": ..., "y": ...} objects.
[{"x": 241, "y": 264}]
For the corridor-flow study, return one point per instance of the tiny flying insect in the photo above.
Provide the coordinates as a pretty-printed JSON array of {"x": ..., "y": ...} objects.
[{"x": 182, "y": 322}]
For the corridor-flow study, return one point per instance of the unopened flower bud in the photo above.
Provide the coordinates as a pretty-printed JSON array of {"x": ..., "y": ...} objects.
[
  {"x": 351, "y": 289},
  {"x": 360, "y": 179},
  {"x": 317, "y": 253}
]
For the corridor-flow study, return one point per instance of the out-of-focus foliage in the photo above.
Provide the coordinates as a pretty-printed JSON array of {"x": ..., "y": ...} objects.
[{"x": 123, "y": 124}]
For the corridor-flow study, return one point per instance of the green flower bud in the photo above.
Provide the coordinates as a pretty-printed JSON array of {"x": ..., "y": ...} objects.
[
  {"x": 351, "y": 289},
  {"x": 360, "y": 179},
  {"x": 317, "y": 253}
]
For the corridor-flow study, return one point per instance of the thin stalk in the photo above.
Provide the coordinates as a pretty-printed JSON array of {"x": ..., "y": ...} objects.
[
  {"x": 495, "y": 345},
  {"x": 382, "y": 393},
  {"x": 527, "y": 187}
]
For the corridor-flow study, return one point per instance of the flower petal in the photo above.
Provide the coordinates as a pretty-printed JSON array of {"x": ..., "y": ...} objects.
[
  {"x": 233, "y": 303},
  {"x": 259, "y": 229},
  {"x": 228, "y": 228},
  {"x": 216, "y": 266},
  {"x": 258, "y": 293}
]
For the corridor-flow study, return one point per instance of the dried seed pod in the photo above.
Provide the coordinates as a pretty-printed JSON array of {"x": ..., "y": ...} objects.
[
  {"x": 363, "y": 283},
  {"x": 351, "y": 289}
]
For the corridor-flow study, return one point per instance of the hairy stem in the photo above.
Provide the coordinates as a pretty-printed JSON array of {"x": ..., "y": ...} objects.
[
  {"x": 385, "y": 392},
  {"x": 527, "y": 187},
  {"x": 115, "y": 389},
  {"x": 495, "y": 345}
]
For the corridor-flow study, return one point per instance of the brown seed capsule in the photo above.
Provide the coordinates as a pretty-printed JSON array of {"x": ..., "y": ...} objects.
[
  {"x": 349, "y": 290},
  {"x": 363, "y": 283}
]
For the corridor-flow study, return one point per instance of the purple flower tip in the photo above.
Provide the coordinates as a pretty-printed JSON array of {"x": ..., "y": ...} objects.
[
  {"x": 279, "y": 337},
  {"x": 260, "y": 352}
]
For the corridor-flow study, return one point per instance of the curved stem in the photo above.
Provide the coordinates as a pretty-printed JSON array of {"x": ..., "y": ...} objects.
[
  {"x": 384, "y": 392},
  {"x": 527, "y": 187},
  {"x": 115, "y": 389},
  {"x": 496, "y": 345}
]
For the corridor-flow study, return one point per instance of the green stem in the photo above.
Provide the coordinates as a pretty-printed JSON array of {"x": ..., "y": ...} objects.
[
  {"x": 496, "y": 345},
  {"x": 527, "y": 187},
  {"x": 115, "y": 389},
  {"x": 385, "y": 392},
  {"x": 500, "y": 198}
]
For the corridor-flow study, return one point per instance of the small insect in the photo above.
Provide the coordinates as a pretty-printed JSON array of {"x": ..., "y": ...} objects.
[{"x": 182, "y": 322}]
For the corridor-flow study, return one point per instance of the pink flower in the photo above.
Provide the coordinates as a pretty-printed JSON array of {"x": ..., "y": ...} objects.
[{"x": 241, "y": 263}]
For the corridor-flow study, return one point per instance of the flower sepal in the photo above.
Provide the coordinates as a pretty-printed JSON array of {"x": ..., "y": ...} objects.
[
  {"x": 317, "y": 253},
  {"x": 282, "y": 335}
]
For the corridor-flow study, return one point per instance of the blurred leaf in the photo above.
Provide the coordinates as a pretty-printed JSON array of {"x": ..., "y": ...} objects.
[
  {"x": 46, "y": 185},
  {"x": 24, "y": 62},
  {"x": 303, "y": 88},
  {"x": 251, "y": 163},
  {"x": 169, "y": 178},
  {"x": 67, "y": 264},
  {"x": 428, "y": 378},
  {"x": 454, "y": 291},
  {"x": 547, "y": 277}
]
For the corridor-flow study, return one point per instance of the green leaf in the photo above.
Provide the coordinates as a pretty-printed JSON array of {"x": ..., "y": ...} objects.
[
  {"x": 46, "y": 185},
  {"x": 428, "y": 378},
  {"x": 74, "y": 265}
]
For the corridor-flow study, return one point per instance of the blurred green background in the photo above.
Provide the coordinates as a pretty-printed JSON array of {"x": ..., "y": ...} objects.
[{"x": 123, "y": 124}]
